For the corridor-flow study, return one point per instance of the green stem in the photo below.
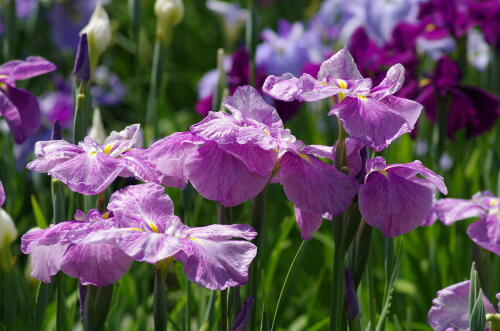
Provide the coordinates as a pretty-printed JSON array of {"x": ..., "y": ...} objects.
[
  {"x": 152, "y": 105},
  {"x": 258, "y": 214},
  {"x": 224, "y": 216},
  {"x": 224, "y": 313},
  {"x": 82, "y": 109},
  {"x": 251, "y": 39},
  {"x": 160, "y": 295},
  {"x": 61, "y": 323},
  {"x": 337, "y": 295},
  {"x": 10, "y": 22},
  {"x": 97, "y": 304},
  {"x": 59, "y": 214}
]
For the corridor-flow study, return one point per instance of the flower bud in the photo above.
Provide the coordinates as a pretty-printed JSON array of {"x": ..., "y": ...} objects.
[
  {"x": 8, "y": 232},
  {"x": 168, "y": 13},
  {"x": 98, "y": 33},
  {"x": 97, "y": 131}
]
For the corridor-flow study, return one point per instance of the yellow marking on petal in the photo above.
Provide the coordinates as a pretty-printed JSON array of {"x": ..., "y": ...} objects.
[
  {"x": 3, "y": 86},
  {"x": 191, "y": 238},
  {"x": 383, "y": 172},
  {"x": 305, "y": 157},
  {"x": 267, "y": 132},
  {"x": 92, "y": 153},
  {"x": 108, "y": 148},
  {"x": 153, "y": 226},
  {"x": 424, "y": 82},
  {"x": 105, "y": 215},
  {"x": 342, "y": 83},
  {"x": 362, "y": 97},
  {"x": 430, "y": 27},
  {"x": 323, "y": 83},
  {"x": 493, "y": 202},
  {"x": 135, "y": 229}
]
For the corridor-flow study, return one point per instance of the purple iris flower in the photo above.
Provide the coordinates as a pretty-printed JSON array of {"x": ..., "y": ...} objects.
[
  {"x": 450, "y": 312},
  {"x": 53, "y": 249},
  {"x": 24, "y": 8},
  {"x": 2, "y": 194},
  {"x": 487, "y": 16},
  {"x": 151, "y": 232},
  {"x": 397, "y": 198},
  {"x": 90, "y": 168},
  {"x": 370, "y": 114},
  {"x": 486, "y": 230},
  {"x": 470, "y": 108},
  {"x": 58, "y": 105},
  {"x": 109, "y": 89},
  {"x": 249, "y": 145},
  {"x": 17, "y": 106},
  {"x": 288, "y": 49}
]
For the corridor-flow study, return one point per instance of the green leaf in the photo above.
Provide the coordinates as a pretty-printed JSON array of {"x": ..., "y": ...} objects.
[
  {"x": 477, "y": 320},
  {"x": 40, "y": 219}
]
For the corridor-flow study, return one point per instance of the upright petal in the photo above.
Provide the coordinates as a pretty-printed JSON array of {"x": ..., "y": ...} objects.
[
  {"x": 250, "y": 103},
  {"x": 394, "y": 204},
  {"x": 315, "y": 186},
  {"x": 169, "y": 153},
  {"x": 119, "y": 142},
  {"x": 307, "y": 222},
  {"x": 95, "y": 264},
  {"x": 392, "y": 82},
  {"x": 282, "y": 88},
  {"x": 341, "y": 65},
  {"x": 89, "y": 173},
  {"x": 217, "y": 264},
  {"x": 141, "y": 203},
  {"x": 237, "y": 184}
]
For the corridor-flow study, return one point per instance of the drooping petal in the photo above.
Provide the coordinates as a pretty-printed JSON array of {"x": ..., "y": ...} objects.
[
  {"x": 307, "y": 222},
  {"x": 169, "y": 153},
  {"x": 95, "y": 264},
  {"x": 142, "y": 203},
  {"x": 392, "y": 82},
  {"x": 136, "y": 164},
  {"x": 52, "y": 153},
  {"x": 375, "y": 122},
  {"x": 222, "y": 231},
  {"x": 311, "y": 89},
  {"x": 33, "y": 66},
  {"x": 28, "y": 113},
  {"x": 249, "y": 102},
  {"x": 394, "y": 204},
  {"x": 88, "y": 173},
  {"x": 451, "y": 210},
  {"x": 409, "y": 170},
  {"x": 315, "y": 186},
  {"x": 256, "y": 159},
  {"x": 341, "y": 66},
  {"x": 205, "y": 167},
  {"x": 486, "y": 233},
  {"x": 217, "y": 264},
  {"x": 282, "y": 88},
  {"x": 46, "y": 261}
]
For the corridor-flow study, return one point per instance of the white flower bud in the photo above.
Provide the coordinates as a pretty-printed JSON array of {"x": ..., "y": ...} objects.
[
  {"x": 8, "y": 232},
  {"x": 97, "y": 131},
  {"x": 168, "y": 13},
  {"x": 98, "y": 31}
]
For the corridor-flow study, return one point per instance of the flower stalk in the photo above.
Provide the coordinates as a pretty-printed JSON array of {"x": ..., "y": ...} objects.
[{"x": 160, "y": 294}]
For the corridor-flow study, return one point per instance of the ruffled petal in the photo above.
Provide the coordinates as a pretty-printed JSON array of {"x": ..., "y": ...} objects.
[
  {"x": 393, "y": 204},
  {"x": 282, "y": 88},
  {"x": 311, "y": 89},
  {"x": 237, "y": 184},
  {"x": 52, "y": 153},
  {"x": 341, "y": 66},
  {"x": 95, "y": 264},
  {"x": 217, "y": 264},
  {"x": 486, "y": 233},
  {"x": 315, "y": 186},
  {"x": 248, "y": 101},
  {"x": 409, "y": 170},
  {"x": 136, "y": 164},
  {"x": 169, "y": 153},
  {"x": 119, "y": 142},
  {"x": 46, "y": 261},
  {"x": 307, "y": 222},
  {"x": 451, "y": 210},
  {"x": 142, "y": 203},
  {"x": 222, "y": 231},
  {"x": 257, "y": 160},
  {"x": 88, "y": 173}
]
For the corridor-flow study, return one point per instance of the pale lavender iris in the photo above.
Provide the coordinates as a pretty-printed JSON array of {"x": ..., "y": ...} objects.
[
  {"x": 241, "y": 145},
  {"x": 370, "y": 114},
  {"x": 108, "y": 89},
  {"x": 450, "y": 312},
  {"x": 17, "y": 106},
  {"x": 89, "y": 168},
  {"x": 397, "y": 198},
  {"x": 53, "y": 249},
  {"x": 151, "y": 233},
  {"x": 485, "y": 232}
]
